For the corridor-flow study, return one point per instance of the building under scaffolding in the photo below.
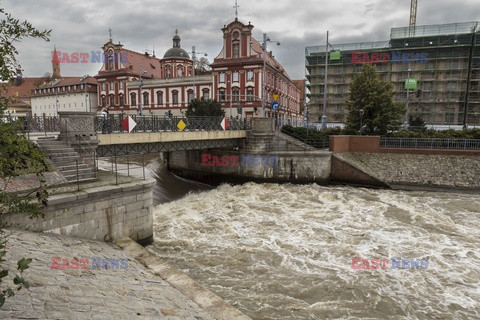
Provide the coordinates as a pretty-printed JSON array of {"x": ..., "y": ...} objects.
[{"x": 438, "y": 65}]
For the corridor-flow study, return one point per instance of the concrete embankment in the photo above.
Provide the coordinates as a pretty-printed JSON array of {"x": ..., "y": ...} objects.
[{"x": 147, "y": 288}]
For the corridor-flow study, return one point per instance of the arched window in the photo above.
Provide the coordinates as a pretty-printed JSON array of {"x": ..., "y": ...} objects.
[
  {"x": 110, "y": 60},
  {"x": 120, "y": 99},
  {"x": 221, "y": 95},
  {"x": 104, "y": 101},
  {"x": 175, "y": 97},
  {"x": 180, "y": 71},
  {"x": 133, "y": 99},
  {"x": 145, "y": 99},
  {"x": 206, "y": 94},
  {"x": 235, "y": 94},
  {"x": 190, "y": 95},
  {"x": 112, "y": 100},
  {"x": 159, "y": 98},
  {"x": 250, "y": 75},
  {"x": 168, "y": 72},
  {"x": 249, "y": 94},
  {"x": 236, "y": 50}
]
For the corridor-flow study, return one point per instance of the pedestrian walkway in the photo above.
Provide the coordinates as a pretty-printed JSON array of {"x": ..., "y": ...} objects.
[{"x": 127, "y": 290}]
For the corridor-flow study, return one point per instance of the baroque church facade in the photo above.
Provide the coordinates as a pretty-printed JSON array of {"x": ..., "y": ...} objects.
[{"x": 132, "y": 83}]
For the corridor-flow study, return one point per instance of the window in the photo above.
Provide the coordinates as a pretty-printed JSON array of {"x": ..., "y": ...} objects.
[
  {"x": 236, "y": 50},
  {"x": 104, "y": 101},
  {"x": 249, "y": 94},
  {"x": 222, "y": 77},
  {"x": 190, "y": 95},
  {"x": 449, "y": 117},
  {"x": 81, "y": 87},
  {"x": 159, "y": 98},
  {"x": 250, "y": 75},
  {"x": 111, "y": 85},
  {"x": 206, "y": 94},
  {"x": 121, "y": 85},
  {"x": 112, "y": 100},
  {"x": 103, "y": 86},
  {"x": 133, "y": 99},
  {"x": 235, "y": 94},
  {"x": 180, "y": 71},
  {"x": 75, "y": 87},
  {"x": 221, "y": 95},
  {"x": 120, "y": 98},
  {"x": 175, "y": 97},
  {"x": 451, "y": 85},
  {"x": 110, "y": 60},
  {"x": 145, "y": 99},
  {"x": 235, "y": 76}
]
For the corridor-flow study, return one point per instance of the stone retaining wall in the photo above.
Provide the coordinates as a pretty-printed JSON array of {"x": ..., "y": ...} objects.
[
  {"x": 420, "y": 170},
  {"x": 102, "y": 213}
]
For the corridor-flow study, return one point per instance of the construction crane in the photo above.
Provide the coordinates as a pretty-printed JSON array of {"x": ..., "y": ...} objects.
[{"x": 413, "y": 17}]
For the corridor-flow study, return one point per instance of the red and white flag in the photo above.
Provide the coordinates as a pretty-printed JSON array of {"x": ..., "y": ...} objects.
[
  {"x": 128, "y": 124},
  {"x": 224, "y": 124}
]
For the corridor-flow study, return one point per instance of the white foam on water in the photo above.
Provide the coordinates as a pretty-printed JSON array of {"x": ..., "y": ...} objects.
[{"x": 284, "y": 251}]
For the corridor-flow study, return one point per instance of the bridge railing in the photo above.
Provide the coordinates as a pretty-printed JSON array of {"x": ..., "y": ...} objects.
[
  {"x": 430, "y": 143},
  {"x": 112, "y": 124}
]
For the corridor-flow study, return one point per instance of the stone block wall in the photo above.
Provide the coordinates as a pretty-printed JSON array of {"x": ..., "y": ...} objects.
[
  {"x": 450, "y": 171},
  {"x": 102, "y": 213}
]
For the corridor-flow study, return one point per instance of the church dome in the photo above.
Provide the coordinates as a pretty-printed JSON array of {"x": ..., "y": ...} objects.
[{"x": 176, "y": 51}]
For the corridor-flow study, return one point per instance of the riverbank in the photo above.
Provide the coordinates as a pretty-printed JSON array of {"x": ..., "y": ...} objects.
[{"x": 129, "y": 290}]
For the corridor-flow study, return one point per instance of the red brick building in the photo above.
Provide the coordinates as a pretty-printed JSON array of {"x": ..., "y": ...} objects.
[{"x": 169, "y": 84}]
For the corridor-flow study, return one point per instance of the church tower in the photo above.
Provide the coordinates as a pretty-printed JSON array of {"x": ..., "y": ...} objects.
[{"x": 55, "y": 64}]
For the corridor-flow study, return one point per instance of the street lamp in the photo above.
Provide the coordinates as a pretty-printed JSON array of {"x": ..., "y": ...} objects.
[
  {"x": 266, "y": 40},
  {"x": 194, "y": 76},
  {"x": 141, "y": 95},
  {"x": 86, "y": 94},
  {"x": 361, "y": 120},
  {"x": 408, "y": 92}
]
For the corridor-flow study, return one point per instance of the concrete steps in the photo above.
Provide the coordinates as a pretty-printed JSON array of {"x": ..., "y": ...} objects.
[{"x": 65, "y": 160}]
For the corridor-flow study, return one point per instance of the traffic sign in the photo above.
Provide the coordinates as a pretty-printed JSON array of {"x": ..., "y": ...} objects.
[
  {"x": 275, "y": 105},
  {"x": 275, "y": 96}
]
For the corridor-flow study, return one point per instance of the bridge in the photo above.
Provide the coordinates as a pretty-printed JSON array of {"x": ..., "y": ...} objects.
[{"x": 108, "y": 137}]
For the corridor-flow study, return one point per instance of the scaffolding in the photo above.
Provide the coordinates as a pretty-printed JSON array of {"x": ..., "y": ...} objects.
[{"x": 448, "y": 80}]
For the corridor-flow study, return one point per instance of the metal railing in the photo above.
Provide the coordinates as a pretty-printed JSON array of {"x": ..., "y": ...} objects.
[
  {"x": 430, "y": 143},
  {"x": 112, "y": 124},
  {"x": 126, "y": 164}
]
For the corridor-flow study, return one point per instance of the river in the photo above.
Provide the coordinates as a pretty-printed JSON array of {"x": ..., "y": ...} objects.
[{"x": 284, "y": 251}]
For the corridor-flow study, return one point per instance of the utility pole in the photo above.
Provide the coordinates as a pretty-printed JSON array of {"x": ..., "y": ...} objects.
[
  {"x": 264, "y": 47},
  {"x": 324, "y": 116}
]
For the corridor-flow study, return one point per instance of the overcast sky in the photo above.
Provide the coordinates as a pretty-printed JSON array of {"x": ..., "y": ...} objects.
[{"x": 82, "y": 25}]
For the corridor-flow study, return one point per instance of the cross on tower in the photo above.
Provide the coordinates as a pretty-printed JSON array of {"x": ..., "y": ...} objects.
[
  {"x": 236, "y": 9},
  {"x": 110, "y": 33}
]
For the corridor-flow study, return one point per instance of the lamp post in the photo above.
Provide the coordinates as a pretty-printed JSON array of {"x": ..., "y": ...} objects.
[
  {"x": 194, "y": 76},
  {"x": 140, "y": 110},
  {"x": 86, "y": 94},
  {"x": 266, "y": 40},
  {"x": 408, "y": 93},
  {"x": 324, "y": 116},
  {"x": 361, "y": 120}
]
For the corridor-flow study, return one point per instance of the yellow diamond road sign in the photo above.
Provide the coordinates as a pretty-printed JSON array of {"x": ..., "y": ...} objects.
[
  {"x": 275, "y": 96},
  {"x": 181, "y": 125}
]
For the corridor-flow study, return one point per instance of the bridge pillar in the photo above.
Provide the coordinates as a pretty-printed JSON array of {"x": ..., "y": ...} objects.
[
  {"x": 77, "y": 129},
  {"x": 263, "y": 125}
]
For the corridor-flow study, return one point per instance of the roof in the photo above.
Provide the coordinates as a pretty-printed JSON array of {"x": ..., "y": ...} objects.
[
  {"x": 270, "y": 60},
  {"x": 68, "y": 81},
  {"x": 176, "y": 53},
  {"x": 137, "y": 61},
  {"x": 24, "y": 90}
]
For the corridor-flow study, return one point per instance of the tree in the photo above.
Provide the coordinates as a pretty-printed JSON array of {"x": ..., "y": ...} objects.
[
  {"x": 202, "y": 66},
  {"x": 371, "y": 109},
  {"x": 417, "y": 123},
  {"x": 17, "y": 154},
  {"x": 205, "y": 108}
]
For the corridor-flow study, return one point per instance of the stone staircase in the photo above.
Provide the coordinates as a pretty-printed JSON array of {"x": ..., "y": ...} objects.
[{"x": 64, "y": 159}]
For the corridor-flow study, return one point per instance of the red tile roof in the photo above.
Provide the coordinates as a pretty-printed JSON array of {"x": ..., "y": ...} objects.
[
  {"x": 24, "y": 90},
  {"x": 270, "y": 60}
]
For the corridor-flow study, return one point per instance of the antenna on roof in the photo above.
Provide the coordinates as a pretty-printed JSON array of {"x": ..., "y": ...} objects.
[{"x": 236, "y": 9}]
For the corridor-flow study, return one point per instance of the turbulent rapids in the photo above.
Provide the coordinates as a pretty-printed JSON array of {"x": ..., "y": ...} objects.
[{"x": 285, "y": 251}]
